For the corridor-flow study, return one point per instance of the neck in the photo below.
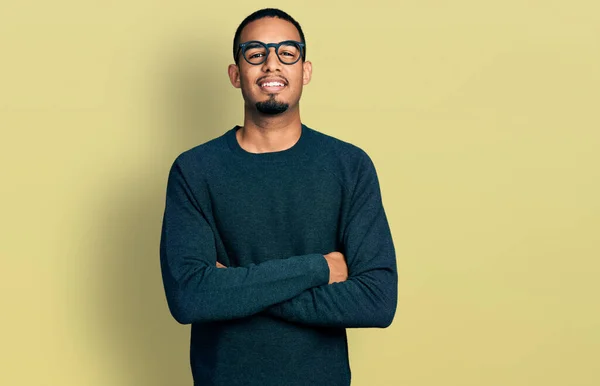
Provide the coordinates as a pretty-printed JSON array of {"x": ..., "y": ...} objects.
[{"x": 269, "y": 133}]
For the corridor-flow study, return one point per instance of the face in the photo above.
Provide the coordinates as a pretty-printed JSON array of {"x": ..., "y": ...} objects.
[{"x": 271, "y": 87}]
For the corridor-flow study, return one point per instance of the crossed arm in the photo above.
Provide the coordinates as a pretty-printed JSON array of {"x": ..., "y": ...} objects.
[
  {"x": 297, "y": 289},
  {"x": 368, "y": 297}
]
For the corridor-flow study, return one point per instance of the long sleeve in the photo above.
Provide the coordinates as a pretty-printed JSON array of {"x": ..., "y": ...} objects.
[
  {"x": 196, "y": 290},
  {"x": 368, "y": 298}
]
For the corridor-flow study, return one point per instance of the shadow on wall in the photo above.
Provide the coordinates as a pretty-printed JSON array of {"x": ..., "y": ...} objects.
[{"x": 144, "y": 345}]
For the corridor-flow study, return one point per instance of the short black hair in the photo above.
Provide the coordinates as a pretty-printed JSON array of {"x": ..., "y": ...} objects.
[{"x": 262, "y": 13}]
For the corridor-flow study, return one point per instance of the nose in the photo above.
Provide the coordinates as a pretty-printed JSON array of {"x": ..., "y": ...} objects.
[{"x": 272, "y": 63}]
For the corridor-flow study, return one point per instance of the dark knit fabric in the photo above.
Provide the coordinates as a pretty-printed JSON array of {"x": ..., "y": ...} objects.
[{"x": 271, "y": 318}]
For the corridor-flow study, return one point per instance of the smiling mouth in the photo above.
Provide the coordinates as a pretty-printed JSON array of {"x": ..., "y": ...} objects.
[{"x": 272, "y": 85}]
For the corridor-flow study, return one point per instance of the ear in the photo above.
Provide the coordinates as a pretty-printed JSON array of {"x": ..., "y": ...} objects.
[
  {"x": 234, "y": 75},
  {"x": 306, "y": 72}
]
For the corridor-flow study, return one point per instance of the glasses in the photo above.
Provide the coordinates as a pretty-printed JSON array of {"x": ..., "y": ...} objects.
[{"x": 255, "y": 52}]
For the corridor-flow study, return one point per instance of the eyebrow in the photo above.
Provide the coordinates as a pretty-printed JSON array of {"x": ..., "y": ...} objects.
[
  {"x": 253, "y": 44},
  {"x": 282, "y": 41}
]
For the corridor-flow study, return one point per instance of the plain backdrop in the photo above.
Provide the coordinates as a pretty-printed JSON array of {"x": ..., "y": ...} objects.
[{"x": 482, "y": 120}]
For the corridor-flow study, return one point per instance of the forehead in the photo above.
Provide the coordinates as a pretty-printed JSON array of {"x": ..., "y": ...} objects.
[{"x": 269, "y": 30}]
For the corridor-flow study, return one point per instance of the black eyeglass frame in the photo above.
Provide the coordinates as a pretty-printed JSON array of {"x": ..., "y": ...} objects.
[{"x": 243, "y": 48}]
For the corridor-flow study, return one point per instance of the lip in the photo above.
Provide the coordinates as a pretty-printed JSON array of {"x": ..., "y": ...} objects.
[{"x": 272, "y": 89}]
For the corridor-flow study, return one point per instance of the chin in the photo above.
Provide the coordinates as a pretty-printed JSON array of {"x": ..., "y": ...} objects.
[{"x": 272, "y": 107}]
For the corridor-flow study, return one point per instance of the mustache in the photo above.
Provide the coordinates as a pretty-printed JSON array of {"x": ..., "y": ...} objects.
[{"x": 262, "y": 78}]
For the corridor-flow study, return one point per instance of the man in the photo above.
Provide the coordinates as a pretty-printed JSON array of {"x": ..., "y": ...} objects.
[{"x": 274, "y": 237}]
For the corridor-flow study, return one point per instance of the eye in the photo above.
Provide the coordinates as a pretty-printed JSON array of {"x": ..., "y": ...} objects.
[
  {"x": 255, "y": 53},
  {"x": 288, "y": 51}
]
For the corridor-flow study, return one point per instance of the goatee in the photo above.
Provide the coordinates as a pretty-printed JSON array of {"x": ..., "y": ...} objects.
[{"x": 271, "y": 106}]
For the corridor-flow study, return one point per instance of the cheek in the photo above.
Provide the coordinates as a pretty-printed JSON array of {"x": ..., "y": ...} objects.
[
  {"x": 245, "y": 87},
  {"x": 297, "y": 83},
  {"x": 246, "y": 79}
]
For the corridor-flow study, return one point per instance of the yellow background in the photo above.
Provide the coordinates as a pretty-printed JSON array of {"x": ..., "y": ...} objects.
[{"x": 482, "y": 118}]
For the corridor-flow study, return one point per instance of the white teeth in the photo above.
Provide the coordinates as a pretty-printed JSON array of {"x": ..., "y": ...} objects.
[{"x": 272, "y": 84}]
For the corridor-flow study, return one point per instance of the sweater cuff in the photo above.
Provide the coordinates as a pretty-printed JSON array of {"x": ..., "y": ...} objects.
[{"x": 318, "y": 265}]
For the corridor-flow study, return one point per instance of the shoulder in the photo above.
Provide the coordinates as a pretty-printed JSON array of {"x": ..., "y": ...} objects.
[
  {"x": 201, "y": 158},
  {"x": 348, "y": 161},
  {"x": 345, "y": 153}
]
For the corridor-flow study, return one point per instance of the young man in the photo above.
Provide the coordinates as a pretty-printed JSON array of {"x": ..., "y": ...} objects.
[{"x": 274, "y": 237}]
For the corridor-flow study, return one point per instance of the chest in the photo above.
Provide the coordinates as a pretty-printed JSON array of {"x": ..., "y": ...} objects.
[{"x": 277, "y": 212}]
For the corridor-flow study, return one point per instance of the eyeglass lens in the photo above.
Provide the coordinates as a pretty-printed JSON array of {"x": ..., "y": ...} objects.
[{"x": 256, "y": 53}]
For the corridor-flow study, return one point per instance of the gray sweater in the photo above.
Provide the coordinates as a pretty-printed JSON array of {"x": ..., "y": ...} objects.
[{"x": 271, "y": 318}]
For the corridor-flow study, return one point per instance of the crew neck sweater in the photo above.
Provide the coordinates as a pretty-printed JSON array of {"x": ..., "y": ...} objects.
[{"x": 271, "y": 318}]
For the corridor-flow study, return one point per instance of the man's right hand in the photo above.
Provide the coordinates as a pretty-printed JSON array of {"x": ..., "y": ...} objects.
[{"x": 338, "y": 269}]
